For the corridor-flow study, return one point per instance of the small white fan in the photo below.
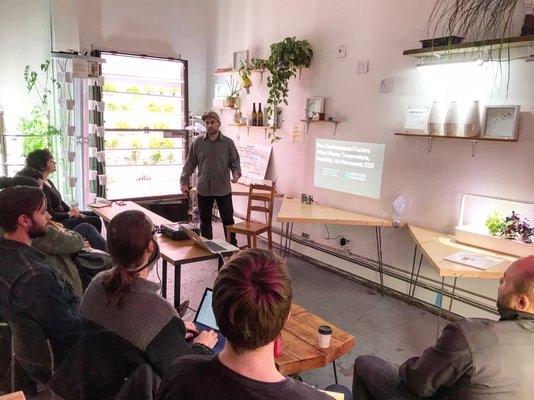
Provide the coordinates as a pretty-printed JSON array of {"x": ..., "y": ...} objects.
[
  {"x": 197, "y": 127},
  {"x": 400, "y": 208}
]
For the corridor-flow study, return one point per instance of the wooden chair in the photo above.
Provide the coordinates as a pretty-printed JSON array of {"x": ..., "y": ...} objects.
[{"x": 252, "y": 229}]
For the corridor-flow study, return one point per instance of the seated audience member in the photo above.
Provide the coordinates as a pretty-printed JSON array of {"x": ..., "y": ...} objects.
[
  {"x": 36, "y": 300},
  {"x": 43, "y": 161},
  {"x": 123, "y": 300},
  {"x": 60, "y": 245},
  {"x": 475, "y": 358},
  {"x": 89, "y": 232},
  {"x": 251, "y": 302}
]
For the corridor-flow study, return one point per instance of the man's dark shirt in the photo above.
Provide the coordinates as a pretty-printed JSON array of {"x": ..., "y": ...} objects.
[
  {"x": 204, "y": 378},
  {"x": 32, "y": 292},
  {"x": 214, "y": 159}
]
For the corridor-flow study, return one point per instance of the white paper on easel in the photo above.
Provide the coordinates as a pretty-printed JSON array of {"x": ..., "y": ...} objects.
[{"x": 474, "y": 260}]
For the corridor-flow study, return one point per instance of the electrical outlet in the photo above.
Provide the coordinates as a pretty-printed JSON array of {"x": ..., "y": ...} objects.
[
  {"x": 363, "y": 67},
  {"x": 305, "y": 235},
  {"x": 343, "y": 241},
  {"x": 341, "y": 51},
  {"x": 386, "y": 85}
]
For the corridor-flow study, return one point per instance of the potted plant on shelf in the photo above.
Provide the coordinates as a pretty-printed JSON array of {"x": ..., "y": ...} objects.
[
  {"x": 233, "y": 92},
  {"x": 286, "y": 58},
  {"x": 244, "y": 73}
]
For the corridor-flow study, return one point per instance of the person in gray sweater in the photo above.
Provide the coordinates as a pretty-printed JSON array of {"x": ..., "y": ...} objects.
[
  {"x": 474, "y": 359},
  {"x": 123, "y": 300}
]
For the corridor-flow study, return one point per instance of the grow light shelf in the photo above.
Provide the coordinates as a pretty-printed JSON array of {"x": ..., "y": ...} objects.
[
  {"x": 143, "y": 165},
  {"x": 143, "y": 78},
  {"x": 477, "y": 138},
  {"x": 504, "y": 44},
  {"x": 145, "y": 148},
  {"x": 110, "y": 92}
]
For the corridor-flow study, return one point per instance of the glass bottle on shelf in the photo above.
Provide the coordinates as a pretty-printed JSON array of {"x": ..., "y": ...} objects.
[
  {"x": 260, "y": 116},
  {"x": 254, "y": 115}
]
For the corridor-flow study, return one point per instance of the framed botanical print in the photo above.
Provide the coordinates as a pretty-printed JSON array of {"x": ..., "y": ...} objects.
[{"x": 500, "y": 122}]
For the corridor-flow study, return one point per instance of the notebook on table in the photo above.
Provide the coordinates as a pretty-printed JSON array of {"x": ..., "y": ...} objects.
[{"x": 205, "y": 320}]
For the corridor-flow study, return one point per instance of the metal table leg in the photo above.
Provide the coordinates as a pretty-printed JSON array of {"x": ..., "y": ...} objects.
[
  {"x": 177, "y": 284},
  {"x": 452, "y": 295},
  {"x": 412, "y": 294},
  {"x": 290, "y": 235},
  {"x": 335, "y": 371},
  {"x": 440, "y": 306},
  {"x": 413, "y": 270},
  {"x": 164, "y": 279},
  {"x": 281, "y": 239},
  {"x": 379, "y": 253}
]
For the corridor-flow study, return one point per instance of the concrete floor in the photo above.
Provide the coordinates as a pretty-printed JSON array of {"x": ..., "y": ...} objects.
[{"x": 383, "y": 326}]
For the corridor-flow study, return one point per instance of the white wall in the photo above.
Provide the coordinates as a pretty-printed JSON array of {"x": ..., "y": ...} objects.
[
  {"x": 25, "y": 33},
  {"x": 378, "y": 31},
  {"x": 167, "y": 28}
]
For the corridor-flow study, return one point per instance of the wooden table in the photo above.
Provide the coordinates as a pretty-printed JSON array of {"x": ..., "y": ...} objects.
[
  {"x": 300, "y": 351},
  {"x": 293, "y": 210},
  {"x": 435, "y": 246},
  {"x": 13, "y": 396},
  {"x": 175, "y": 252}
]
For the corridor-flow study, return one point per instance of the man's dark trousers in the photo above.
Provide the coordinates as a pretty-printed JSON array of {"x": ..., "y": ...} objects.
[{"x": 226, "y": 210}]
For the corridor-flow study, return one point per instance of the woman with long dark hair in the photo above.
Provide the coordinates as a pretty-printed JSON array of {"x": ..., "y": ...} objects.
[
  {"x": 43, "y": 161},
  {"x": 123, "y": 300}
]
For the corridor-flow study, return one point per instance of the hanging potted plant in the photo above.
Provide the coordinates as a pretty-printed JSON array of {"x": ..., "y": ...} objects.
[
  {"x": 244, "y": 73},
  {"x": 287, "y": 58},
  {"x": 38, "y": 128}
]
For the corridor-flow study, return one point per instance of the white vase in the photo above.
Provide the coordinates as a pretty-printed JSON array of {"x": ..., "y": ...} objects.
[
  {"x": 472, "y": 120},
  {"x": 434, "y": 120},
  {"x": 451, "y": 124}
]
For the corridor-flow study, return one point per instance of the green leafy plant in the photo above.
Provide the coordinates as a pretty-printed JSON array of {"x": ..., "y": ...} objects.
[
  {"x": 122, "y": 125},
  {"x": 133, "y": 90},
  {"x": 168, "y": 108},
  {"x": 136, "y": 144},
  {"x": 38, "y": 126},
  {"x": 174, "y": 91},
  {"x": 112, "y": 107},
  {"x": 153, "y": 107},
  {"x": 286, "y": 59},
  {"x": 135, "y": 156},
  {"x": 149, "y": 89},
  {"x": 156, "y": 157},
  {"x": 244, "y": 73},
  {"x": 111, "y": 143},
  {"x": 109, "y": 87},
  {"x": 495, "y": 223}
]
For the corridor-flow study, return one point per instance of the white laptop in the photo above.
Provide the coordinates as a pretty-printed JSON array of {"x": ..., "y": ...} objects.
[{"x": 212, "y": 246}]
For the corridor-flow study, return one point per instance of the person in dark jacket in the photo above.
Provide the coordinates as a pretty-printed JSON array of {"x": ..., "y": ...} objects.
[
  {"x": 43, "y": 161},
  {"x": 474, "y": 359},
  {"x": 123, "y": 301},
  {"x": 37, "y": 301}
]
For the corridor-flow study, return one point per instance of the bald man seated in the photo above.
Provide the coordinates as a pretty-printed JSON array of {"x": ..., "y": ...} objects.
[{"x": 475, "y": 358}]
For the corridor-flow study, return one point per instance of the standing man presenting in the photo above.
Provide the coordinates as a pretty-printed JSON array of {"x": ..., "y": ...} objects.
[{"x": 215, "y": 155}]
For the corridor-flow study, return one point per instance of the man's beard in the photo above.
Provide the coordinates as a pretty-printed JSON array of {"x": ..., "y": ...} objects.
[
  {"x": 36, "y": 232},
  {"x": 212, "y": 131}
]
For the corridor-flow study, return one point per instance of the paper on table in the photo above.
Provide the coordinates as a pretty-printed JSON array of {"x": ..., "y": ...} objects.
[
  {"x": 474, "y": 260},
  {"x": 337, "y": 396}
]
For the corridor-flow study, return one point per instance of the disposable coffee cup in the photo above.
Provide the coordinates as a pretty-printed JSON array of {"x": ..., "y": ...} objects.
[
  {"x": 92, "y": 151},
  {"x": 324, "y": 335},
  {"x": 93, "y": 173}
]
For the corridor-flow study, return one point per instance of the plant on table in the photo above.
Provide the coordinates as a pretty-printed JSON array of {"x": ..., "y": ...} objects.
[
  {"x": 287, "y": 58},
  {"x": 518, "y": 228},
  {"x": 495, "y": 223}
]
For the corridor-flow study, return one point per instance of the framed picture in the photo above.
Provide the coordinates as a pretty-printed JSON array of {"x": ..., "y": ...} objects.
[
  {"x": 500, "y": 122},
  {"x": 240, "y": 57},
  {"x": 314, "y": 106},
  {"x": 417, "y": 119}
]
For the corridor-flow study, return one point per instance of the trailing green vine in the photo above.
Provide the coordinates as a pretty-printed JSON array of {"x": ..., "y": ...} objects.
[{"x": 286, "y": 59}]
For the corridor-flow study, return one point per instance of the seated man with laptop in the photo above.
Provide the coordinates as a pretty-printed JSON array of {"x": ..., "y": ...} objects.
[{"x": 251, "y": 302}]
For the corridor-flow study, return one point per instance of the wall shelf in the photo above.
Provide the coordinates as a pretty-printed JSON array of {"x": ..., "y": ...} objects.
[
  {"x": 467, "y": 47},
  {"x": 308, "y": 121},
  {"x": 265, "y": 128},
  {"x": 474, "y": 139}
]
